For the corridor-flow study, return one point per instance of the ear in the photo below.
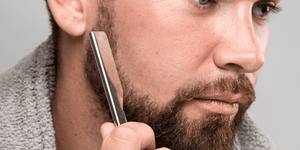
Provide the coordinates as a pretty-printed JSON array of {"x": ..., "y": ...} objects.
[{"x": 69, "y": 16}]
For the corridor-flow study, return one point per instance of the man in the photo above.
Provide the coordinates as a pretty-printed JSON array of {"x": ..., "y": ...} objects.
[{"x": 188, "y": 70}]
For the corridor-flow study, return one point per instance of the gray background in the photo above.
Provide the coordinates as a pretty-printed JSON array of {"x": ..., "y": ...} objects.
[{"x": 24, "y": 25}]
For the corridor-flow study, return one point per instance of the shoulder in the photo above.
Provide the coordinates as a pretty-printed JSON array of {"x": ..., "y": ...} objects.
[
  {"x": 26, "y": 91},
  {"x": 16, "y": 82}
]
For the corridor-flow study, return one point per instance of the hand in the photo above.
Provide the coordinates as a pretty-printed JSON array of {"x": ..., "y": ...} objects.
[{"x": 128, "y": 136}]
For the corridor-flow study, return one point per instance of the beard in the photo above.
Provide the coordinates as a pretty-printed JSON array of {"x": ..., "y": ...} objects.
[
  {"x": 172, "y": 128},
  {"x": 175, "y": 130}
]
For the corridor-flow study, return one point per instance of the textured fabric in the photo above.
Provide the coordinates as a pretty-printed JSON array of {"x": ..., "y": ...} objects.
[{"x": 26, "y": 92}]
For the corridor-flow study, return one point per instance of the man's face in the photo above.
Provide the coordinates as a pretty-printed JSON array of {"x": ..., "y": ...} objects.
[
  {"x": 178, "y": 59},
  {"x": 167, "y": 44}
]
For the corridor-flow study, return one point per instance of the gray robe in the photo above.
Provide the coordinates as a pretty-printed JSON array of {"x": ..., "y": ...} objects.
[{"x": 26, "y": 92}]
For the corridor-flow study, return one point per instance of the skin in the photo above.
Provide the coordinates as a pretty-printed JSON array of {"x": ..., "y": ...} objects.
[{"x": 163, "y": 45}]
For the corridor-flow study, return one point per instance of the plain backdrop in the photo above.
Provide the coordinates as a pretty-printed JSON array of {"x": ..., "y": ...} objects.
[{"x": 24, "y": 25}]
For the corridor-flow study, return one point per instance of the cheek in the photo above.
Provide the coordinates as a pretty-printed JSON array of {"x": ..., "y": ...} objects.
[
  {"x": 158, "y": 46},
  {"x": 262, "y": 35},
  {"x": 253, "y": 77}
]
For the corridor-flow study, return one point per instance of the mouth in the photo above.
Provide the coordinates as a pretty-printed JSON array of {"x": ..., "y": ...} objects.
[{"x": 217, "y": 106}]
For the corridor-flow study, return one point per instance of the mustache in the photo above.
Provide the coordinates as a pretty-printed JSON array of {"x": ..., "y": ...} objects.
[{"x": 240, "y": 85}]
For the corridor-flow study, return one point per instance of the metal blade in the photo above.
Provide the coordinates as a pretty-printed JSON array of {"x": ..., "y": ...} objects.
[{"x": 109, "y": 75}]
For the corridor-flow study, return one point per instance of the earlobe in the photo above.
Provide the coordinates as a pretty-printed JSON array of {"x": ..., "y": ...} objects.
[{"x": 69, "y": 16}]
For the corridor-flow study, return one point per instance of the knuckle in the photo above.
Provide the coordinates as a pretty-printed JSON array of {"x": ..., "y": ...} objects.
[
  {"x": 147, "y": 128},
  {"x": 126, "y": 133},
  {"x": 164, "y": 148}
]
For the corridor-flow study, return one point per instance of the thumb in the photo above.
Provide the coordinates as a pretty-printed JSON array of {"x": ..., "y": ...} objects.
[
  {"x": 163, "y": 148},
  {"x": 106, "y": 128},
  {"x": 128, "y": 136}
]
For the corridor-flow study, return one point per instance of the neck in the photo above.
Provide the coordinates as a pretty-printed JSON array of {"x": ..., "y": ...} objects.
[{"x": 77, "y": 117}]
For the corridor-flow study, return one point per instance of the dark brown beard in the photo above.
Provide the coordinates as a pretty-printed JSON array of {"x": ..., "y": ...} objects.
[
  {"x": 104, "y": 23},
  {"x": 172, "y": 128}
]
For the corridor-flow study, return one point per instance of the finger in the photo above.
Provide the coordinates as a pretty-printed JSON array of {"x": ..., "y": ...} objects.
[
  {"x": 147, "y": 138},
  {"x": 163, "y": 148},
  {"x": 106, "y": 128},
  {"x": 130, "y": 136}
]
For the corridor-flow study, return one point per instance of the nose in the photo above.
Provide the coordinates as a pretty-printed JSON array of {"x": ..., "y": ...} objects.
[{"x": 238, "y": 48}]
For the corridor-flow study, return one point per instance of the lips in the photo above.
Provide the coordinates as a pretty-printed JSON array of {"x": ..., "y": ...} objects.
[
  {"x": 225, "y": 103},
  {"x": 225, "y": 97},
  {"x": 218, "y": 107}
]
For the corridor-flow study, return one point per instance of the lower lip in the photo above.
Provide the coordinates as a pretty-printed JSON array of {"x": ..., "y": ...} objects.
[{"x": 218, "y": 107}]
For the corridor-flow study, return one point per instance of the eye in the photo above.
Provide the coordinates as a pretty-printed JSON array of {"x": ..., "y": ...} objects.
[
  {"x": 202, "y": 2},
  {"x": 262, "y": 10}
]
